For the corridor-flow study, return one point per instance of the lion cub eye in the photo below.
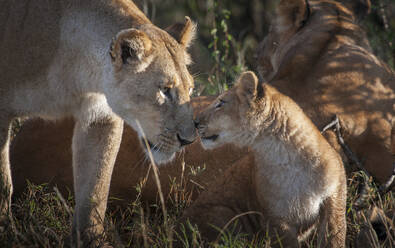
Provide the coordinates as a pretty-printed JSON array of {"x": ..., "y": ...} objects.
[{"x": 220, "y": 103}]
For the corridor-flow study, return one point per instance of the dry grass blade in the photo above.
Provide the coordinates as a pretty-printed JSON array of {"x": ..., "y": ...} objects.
[
  {"x": 42, "y": 221},
  {"x": 232, "y": 220},
  {"x": 66, "y": 207},
  {"x": 157, "y": 181}
]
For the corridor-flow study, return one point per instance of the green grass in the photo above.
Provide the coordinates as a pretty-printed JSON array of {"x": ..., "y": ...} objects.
[{"x": 42, "y": 218}]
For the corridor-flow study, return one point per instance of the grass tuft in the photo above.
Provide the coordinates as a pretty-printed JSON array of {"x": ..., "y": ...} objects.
[{"x": 42, "y": 218}]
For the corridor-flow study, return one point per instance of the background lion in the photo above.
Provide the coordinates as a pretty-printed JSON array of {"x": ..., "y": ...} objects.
[{"x": 318, "y": 55}]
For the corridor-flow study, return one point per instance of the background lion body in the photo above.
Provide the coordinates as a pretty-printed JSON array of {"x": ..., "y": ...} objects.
[{"x": 327, "y": 67}]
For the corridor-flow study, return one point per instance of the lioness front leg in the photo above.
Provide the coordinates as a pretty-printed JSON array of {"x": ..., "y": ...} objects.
[
  {"x": 5, "y": 173},
  {"x": 94, "y": 152}
]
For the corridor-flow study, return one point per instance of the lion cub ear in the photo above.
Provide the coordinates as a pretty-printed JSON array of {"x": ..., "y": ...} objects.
[
  {"x": 130, "y": 46},
  {"x": 292, "y": 13},
  {"x": 247, "y": 86},
  {"x": 184, "y": 33}
]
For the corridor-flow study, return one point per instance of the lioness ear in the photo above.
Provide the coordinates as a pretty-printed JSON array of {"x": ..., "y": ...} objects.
[
  {"x": 292, "y": 13},
  {"x": 129, "y": 46},
  {"x": 247, "y": 86},
  {"x": 184, "y": 33}
]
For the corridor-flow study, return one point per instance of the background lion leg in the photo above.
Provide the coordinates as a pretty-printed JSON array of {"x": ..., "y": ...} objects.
[
  {"x": 5, "y": 173},
  {"x": 283, "y": 234},
  {"x": 230, "y": 196},
  {"x": 332, "y": 222},
  {"x": 94, "y": 152}
]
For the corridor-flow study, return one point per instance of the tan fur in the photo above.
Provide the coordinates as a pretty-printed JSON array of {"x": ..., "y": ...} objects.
[
  {"x": 325, "y": 64},
  {"x": 31, "y": 149},
  {"x": 41, "y": 153},
  {"x": 99, "y": 62},
  {"x": 298, "y": 178}
]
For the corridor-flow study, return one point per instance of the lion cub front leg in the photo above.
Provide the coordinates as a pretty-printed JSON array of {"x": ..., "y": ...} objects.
[
  {"x": 332, "y": 222},
  {"x": 94, "y": 152},
  {"x": 5, "y": 173}
]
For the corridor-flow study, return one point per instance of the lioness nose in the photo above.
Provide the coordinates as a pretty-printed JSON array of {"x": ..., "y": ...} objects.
[{"x": 184, "y": 142}]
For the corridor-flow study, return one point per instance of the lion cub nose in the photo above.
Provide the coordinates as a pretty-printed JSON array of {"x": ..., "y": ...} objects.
[{"x": 183, "y": 141}]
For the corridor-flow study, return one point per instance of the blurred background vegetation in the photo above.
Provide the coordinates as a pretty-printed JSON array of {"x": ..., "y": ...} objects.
[{"x": 230, "y": 30}]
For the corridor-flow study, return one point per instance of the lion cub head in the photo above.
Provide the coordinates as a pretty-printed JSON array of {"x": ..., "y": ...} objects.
[
  {"x": 149, "y": 85},
  {"x": 232, "y": 118}
]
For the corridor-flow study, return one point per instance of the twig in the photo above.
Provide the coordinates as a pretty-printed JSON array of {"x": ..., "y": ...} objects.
[
  {"x": 335, "y": 125},
  {"x": 360, "y": 203},
  {"x": 332, "y": 125},
  {"x": 197, "y": 184},
  {"x": 389, "y": 184}
]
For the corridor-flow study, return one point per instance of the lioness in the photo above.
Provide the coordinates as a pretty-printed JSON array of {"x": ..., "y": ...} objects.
[
  {"x": 298, "y": 177},
  {"x": 100, "y": 62},
  {"x": 317, "y": 54}
]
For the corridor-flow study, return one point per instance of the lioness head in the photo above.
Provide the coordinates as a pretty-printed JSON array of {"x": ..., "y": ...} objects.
[
  {"x": 301, "y": 29},
  {"x": 231, "y": 117},
  {"x": 151, "y": 85}
]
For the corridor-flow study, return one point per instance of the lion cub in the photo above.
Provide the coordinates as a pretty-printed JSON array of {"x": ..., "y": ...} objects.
[{"x": 299, "y": 178}]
